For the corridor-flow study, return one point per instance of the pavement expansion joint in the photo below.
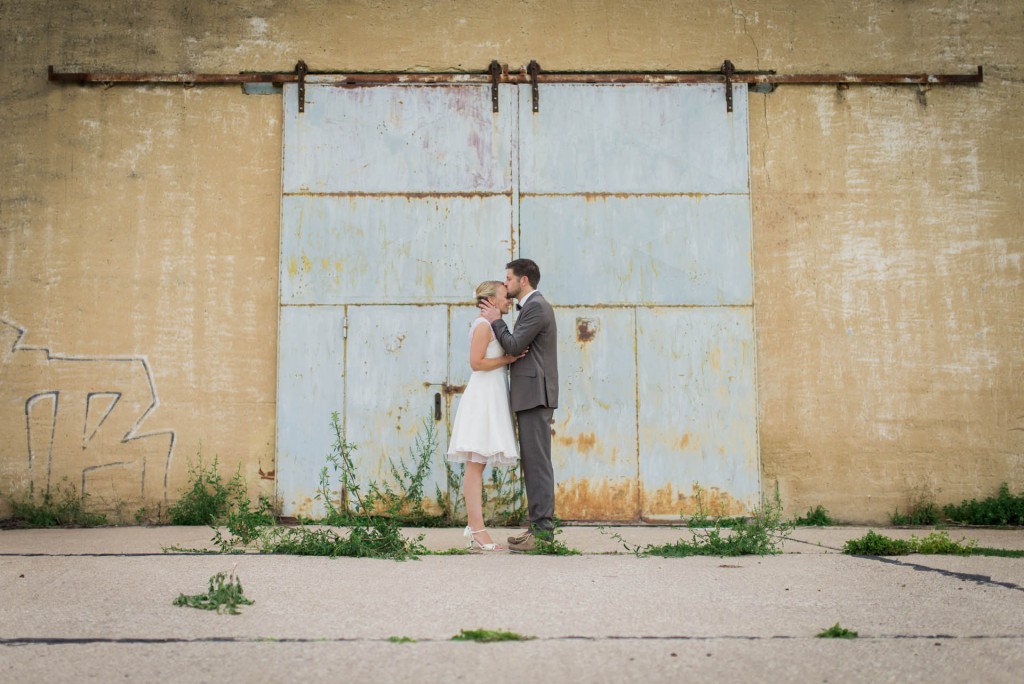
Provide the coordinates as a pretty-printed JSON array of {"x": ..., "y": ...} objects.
[{"x": 83, "y": 641}]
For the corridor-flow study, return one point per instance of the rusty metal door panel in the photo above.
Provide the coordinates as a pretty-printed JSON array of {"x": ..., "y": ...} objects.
[
  {"x": 681, "y": 249},
  {"x": 593, "y": 438},
  {"x": 398, "y": 200},
  {"x": 396, "y": 367},
  {"x": 399, "y": 138},
  {"x": 697, "y": 410},
  {"x": 633, "y": 139},
  {"x": 377, "y": 249},
  {"x": 310, "y": 384}
]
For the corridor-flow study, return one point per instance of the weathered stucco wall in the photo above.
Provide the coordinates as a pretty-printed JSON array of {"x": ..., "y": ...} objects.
[{"x": 140, "y": 228}]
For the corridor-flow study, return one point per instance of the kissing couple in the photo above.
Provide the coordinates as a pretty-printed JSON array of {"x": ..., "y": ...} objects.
[{"x": 482, "y": 432}]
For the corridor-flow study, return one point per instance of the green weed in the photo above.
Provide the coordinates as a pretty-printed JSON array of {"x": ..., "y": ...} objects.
[
  {"x": 401, "y": 640},
  {"x": 208, "y": 499},
  {"x": 486, "y": 636},
  {"x": 816, "y": 517},
  {"x": 454, "y": 551},
  {"x": 939, "y": 543},
  {"x": 763, "y": 534},
  {"x": 379, "y": 539},
  {"x": 921, "y": 514},
  {"x": 553, "y": 546},
  {"x": 874, "y": 544},
  {"x": 371, "y": 519},
  {"x": 224, "y": 593},
  {"x": 1005, "y": 553},
  {"x": 1003, "y": 508},
  {"x": 59, "y": 506},
  {"x": 836, "y": 632}
]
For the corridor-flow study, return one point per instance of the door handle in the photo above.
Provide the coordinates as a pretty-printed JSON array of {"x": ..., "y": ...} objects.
[{"x": 437, "y": 406}]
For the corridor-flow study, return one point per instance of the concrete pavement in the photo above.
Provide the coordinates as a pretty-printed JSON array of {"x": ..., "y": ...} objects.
[{"x": 96, "y": 605}]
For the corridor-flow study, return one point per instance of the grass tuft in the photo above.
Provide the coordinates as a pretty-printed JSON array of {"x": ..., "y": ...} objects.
[
  {"x": 763, "y": 534},
  {"x": 487, "y": 636},
  {"x": 836, "y": 632},
  {"x": 224, "y": 594},
  {"x": 1001, "y": 509},
  {"x": 59, "y": 506},
  {"x": 935, "y": 543},
  {"x": 552, "y": 547},
  {"x": 816, "y": 517}
]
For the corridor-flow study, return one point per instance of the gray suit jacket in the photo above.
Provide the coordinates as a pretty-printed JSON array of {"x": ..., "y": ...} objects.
[{"x": 533, "y": 378}]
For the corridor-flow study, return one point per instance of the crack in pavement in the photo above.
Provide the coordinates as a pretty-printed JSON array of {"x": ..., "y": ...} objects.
[{"x": 84, "y": 641}]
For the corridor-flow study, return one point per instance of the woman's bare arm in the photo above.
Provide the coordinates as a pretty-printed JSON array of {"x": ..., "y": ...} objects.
[{"x": 478, "y": 348}]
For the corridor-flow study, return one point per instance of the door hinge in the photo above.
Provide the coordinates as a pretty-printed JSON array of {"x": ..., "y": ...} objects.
[
  {"x": 495, "y": 70},
  {"x": 728, "y": 70},
  {"x": 533, "y": 69},
  {"x": 300, "y": 71}
]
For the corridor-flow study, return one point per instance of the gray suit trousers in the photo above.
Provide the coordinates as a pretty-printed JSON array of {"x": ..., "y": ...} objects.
[{"x": 535, "y": 455}]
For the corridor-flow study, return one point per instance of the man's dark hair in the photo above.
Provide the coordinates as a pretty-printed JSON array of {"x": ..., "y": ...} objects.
[{"x": 525, "y": 267}]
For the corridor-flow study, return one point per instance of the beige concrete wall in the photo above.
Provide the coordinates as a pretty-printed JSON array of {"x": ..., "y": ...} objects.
[{"x": 140, "y": 228}]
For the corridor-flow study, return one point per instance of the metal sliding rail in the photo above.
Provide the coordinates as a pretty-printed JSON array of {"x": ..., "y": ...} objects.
[{"x": 532, "y": 74}]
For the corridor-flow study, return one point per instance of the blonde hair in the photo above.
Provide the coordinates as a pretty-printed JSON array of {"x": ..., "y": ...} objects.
[{"x": 487, "y": 289}]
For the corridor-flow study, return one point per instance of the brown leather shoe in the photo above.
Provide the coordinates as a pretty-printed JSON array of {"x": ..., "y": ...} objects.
[
  {"x": 522, "y": 543},
  {"x": 520, "y": 538}
]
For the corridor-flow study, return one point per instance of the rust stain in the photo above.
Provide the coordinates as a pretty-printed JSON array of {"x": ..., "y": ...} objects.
[
  {"x": 583, "y": 499},
  {"x": 307, "y": 265},
  {"x": 586, "y": 329},
  {"x": 303, "y": 508},
  {"x": 583, "y": 442},
  {"x": 293, "y": 266},
  {"x": 685, "y": 440},
  {"x": 269, "y": 475},
  {"x": 712, "y": 501}
]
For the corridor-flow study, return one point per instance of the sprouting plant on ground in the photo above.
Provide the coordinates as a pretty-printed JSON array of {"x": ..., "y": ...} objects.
[
  {"x": 874, "y": 544},
  {"x": 223, "y": 594},
  {"x": 401, "y": 640},
  {"x": 486, "y": 636},
  {"x": 836, "y": 632},
  {"x": 762, "y": 534},
  {"x": 1003, "y": 508},
  {"x": 552, "y": 546},
  {"x": 453, "y": 551},
  {"x": 369, "y": 533},
  {"x": 209, "y": 498},
  {"x": 816, "y": 517},
  {"x": 59, "y": 506},
  {"x": 921, "y": 508},
  {"x": 923, "y": 514},
  {"x": 940, "y": 543},
  {"x": 381, "y": 538},
  {"x": 1004, "y": 553}
]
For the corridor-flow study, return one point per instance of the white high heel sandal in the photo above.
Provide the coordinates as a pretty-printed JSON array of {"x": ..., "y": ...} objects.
[{"x": 474, "y": 545}]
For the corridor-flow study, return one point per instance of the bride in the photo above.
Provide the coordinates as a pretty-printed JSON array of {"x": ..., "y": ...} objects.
[{"x": 482, "y": 432}]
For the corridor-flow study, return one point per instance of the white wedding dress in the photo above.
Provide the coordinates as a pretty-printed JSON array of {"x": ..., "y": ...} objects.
[{"x": 482, "y": 432}]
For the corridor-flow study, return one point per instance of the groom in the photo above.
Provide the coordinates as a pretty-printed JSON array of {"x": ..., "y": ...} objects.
[{"x": 534, "y": 392}]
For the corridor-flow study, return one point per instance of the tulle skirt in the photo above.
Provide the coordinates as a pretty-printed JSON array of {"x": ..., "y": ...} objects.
[{"x": 482, "y": 432}]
